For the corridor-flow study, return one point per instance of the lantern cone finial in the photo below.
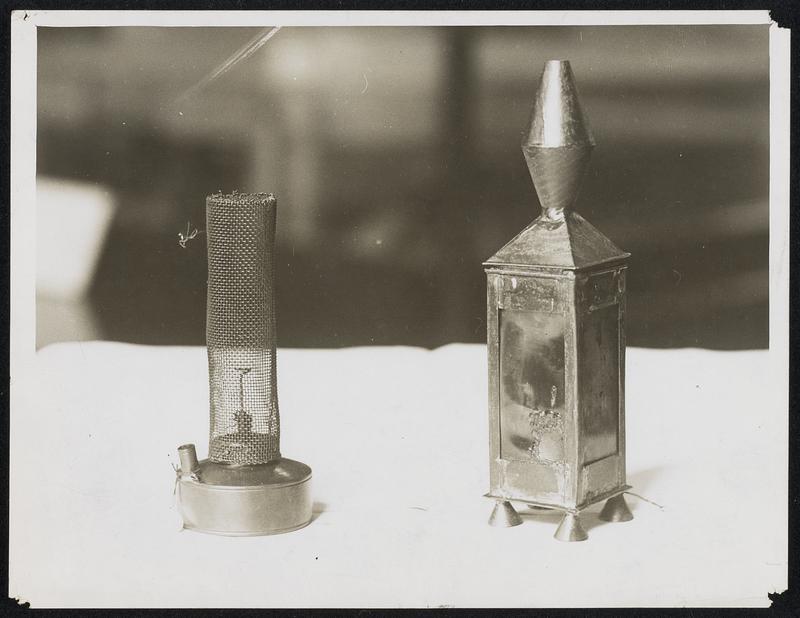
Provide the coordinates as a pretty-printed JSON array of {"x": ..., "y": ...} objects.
[{"x": 558, "y": 142}]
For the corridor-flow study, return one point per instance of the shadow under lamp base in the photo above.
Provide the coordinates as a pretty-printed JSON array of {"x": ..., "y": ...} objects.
[{"x": 242, "y": 500}]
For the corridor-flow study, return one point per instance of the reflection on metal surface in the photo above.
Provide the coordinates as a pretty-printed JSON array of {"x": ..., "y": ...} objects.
[
  {"x": 532, "y": 385},
  {"x": 599, "y": 368},
  {"x": 543, "y": 421}
]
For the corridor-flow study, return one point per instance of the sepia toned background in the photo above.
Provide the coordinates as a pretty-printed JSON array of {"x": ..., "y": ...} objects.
[{"x": 395, "y": 156}]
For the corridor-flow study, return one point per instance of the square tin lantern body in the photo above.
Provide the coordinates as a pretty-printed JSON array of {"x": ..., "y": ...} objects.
[
  {"x": 556, "y": 335},
  {"x": 556, "y": 348}
]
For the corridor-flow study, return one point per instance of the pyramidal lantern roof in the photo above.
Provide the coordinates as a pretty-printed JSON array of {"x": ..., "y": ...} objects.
[{"x": 557, "y": 145}]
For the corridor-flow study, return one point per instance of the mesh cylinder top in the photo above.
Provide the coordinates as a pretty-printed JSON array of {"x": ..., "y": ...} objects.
[{"x": 240, "y": 328}]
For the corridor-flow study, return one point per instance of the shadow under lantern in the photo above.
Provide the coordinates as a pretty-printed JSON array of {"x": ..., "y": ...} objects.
[{"x": 556, "y": 337}]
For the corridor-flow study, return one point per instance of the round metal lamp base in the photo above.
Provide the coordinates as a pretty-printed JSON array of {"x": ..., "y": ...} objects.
[{"x": 270, "y": 498}]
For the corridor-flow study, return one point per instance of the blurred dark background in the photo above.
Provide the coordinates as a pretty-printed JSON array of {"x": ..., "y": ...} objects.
[{"x": 395, "y": 156}]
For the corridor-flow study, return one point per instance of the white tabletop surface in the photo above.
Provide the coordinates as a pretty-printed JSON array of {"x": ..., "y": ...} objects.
[{"x": 398, "y": 442}]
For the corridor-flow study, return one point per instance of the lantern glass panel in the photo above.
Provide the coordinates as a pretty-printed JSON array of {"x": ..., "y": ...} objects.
[
  {"x": 532, "y": 385},
  {"x": 599, "y": 375}
]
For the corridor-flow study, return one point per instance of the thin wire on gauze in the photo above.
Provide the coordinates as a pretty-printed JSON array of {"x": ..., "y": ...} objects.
[{"x": 240, "y": 328}]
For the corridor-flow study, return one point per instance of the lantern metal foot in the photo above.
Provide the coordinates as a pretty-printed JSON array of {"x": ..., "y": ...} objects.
[
  {"x": 503, "y": 515},
  {"x": 615, "y": 509},
  {"x": 570, "y": 529}
]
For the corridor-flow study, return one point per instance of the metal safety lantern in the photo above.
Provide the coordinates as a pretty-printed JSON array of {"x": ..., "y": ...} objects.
[
  {"x": 556, "y": 337},
  {"x": 245, "y": 487}
]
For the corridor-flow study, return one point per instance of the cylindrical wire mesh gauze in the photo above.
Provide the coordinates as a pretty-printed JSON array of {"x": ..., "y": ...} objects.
[{"x": 240, "y": 328}]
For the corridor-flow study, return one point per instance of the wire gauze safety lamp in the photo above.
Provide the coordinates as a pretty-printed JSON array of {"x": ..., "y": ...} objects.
[{"x": 245, "y": 487}]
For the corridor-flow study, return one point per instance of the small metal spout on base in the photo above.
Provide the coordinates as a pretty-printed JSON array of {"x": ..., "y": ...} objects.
[
  {"x": 503, "y": 515},
  {"x": 616, "y": 509},
  {"x": 570, "y": 529}
]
